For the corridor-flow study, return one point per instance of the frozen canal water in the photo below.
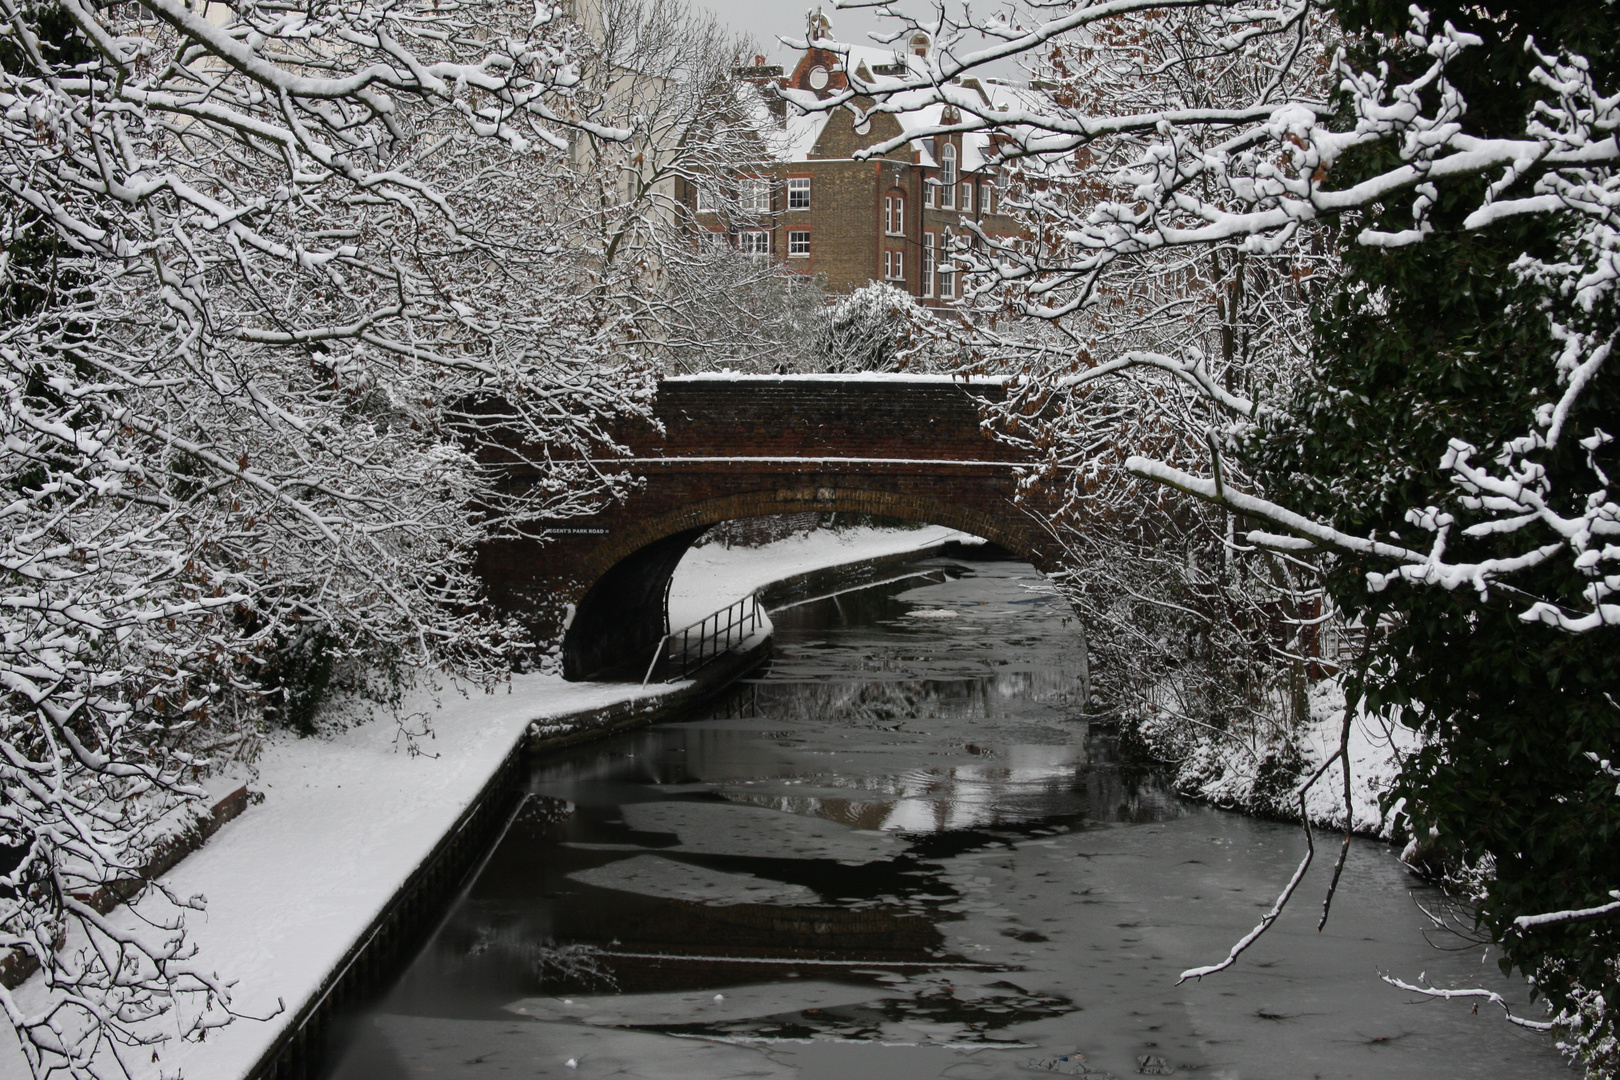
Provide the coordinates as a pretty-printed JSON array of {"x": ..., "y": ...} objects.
[{"x": 898, "y": 854}]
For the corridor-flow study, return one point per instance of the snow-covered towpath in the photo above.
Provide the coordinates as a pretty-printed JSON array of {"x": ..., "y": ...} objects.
[
  {"x": 713, "y": 576},
  {"x": 295, "y": 880}
]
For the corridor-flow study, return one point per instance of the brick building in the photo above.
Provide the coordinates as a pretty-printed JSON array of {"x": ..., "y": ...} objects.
[{"x": 811, "y": 205}]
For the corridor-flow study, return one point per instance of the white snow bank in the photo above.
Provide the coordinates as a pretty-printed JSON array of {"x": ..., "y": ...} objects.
[
  {"x": 1261, "y": 772},
  {"x": 1376, "y": 747},
  {"x": 712, "y": 576},
  {"x": 295, "y": 881}
]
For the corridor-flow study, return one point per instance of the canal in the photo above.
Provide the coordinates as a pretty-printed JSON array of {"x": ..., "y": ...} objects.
[{"x": 899, "y": 852}]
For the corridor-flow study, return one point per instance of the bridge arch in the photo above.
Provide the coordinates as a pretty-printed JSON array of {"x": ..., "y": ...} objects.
[
  {"x": 726, "y": 447},
  {"x": 624, "y": 611}
]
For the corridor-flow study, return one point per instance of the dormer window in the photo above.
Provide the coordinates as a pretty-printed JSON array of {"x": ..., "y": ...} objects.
[
  {"x": 919, "y": 44},
  {"x": 817, "y": 78}
]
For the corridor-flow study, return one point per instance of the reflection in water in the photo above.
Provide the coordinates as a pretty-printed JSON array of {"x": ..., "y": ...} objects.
[{"x": 901, "y": 853}]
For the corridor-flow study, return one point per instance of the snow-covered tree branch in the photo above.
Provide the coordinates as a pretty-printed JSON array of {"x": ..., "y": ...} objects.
[
  {"x": 272, "y": 277},
  {"x": 1256, "y": 166}
]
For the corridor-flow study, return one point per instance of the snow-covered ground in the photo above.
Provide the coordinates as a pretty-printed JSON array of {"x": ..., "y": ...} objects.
[
  {"x": 346, "y": 818},
  {"x": 295, "y": 881},
  {"x": 1259, "y": 773},
  {"x": 712, "y": 576}
]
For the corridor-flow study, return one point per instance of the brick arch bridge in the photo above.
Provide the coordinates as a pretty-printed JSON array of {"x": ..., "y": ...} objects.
[{"x": 749, "y": 446}]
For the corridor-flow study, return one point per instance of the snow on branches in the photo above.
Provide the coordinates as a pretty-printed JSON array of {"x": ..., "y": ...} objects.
[
  {"x": 1252, "y": 165},
  {"x": 273, "y": 276}
]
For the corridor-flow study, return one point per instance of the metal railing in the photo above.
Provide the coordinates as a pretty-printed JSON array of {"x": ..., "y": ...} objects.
[{"x": 690, "y": 648}]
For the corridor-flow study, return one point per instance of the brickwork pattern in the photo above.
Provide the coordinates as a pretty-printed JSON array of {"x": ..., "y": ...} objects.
[
  {"x": 846, "y": 220},
  {"x": 904, "y": 448}
]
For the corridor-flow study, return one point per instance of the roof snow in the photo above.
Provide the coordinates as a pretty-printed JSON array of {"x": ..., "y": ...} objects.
[{"x": 794, "y": 138}]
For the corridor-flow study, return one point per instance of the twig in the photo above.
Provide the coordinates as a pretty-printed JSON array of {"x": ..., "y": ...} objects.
[
  {"x": 1276, "y": 909},
  {"x": 1489, "y": 995},
  {"x": 1350, "y": 705}
]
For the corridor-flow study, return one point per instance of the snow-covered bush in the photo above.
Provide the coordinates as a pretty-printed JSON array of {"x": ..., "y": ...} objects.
[{"x": 868, "y": 330}]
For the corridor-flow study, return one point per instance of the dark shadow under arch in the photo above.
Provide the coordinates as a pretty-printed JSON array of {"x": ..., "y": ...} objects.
[{"x": 623, "y": 615}]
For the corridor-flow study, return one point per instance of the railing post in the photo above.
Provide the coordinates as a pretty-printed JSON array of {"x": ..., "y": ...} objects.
[{"x": 654, "y": 663}]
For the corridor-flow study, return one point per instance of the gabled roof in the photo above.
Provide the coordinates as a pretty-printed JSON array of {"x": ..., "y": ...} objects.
[{"x": 794, "y": 136}]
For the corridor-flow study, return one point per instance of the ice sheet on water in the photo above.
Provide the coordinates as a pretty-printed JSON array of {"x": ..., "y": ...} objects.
[
  {"x": 696, "y": 1006},
  {"x": 731, "y": 829},
  {"x": 422, "y": 1047},
  {"x": 668, "y": 879},
  {"x": 870, "y": 1061}
]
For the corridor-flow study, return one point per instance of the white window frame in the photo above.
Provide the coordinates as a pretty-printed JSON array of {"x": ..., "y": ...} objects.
[
  {"x": 894, "y": 215},
  {"x": 947, "y": 165},
  {"x": 754, "y": 194},
  {"x": 796, "y": 186},
  {"x": 894, "y": 265},
  {"x": 967, "y": 196},
  {"x": 799, "y": 244},
  {"x": 755, "y": 243},
  {"x": 947, "y": 274},
  {"x": 704, "y": 201},
  {"x": 928, "y": 264},
  {"x": 929, "y": 196},
  {"x": 987, "y": 198}
]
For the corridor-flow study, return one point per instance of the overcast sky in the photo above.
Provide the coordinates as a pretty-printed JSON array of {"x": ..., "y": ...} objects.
[{"x": 766, "y": 20}]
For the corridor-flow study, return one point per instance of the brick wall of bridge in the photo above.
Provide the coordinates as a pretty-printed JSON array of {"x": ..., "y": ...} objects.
[{"x": 756, "y": 446}]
